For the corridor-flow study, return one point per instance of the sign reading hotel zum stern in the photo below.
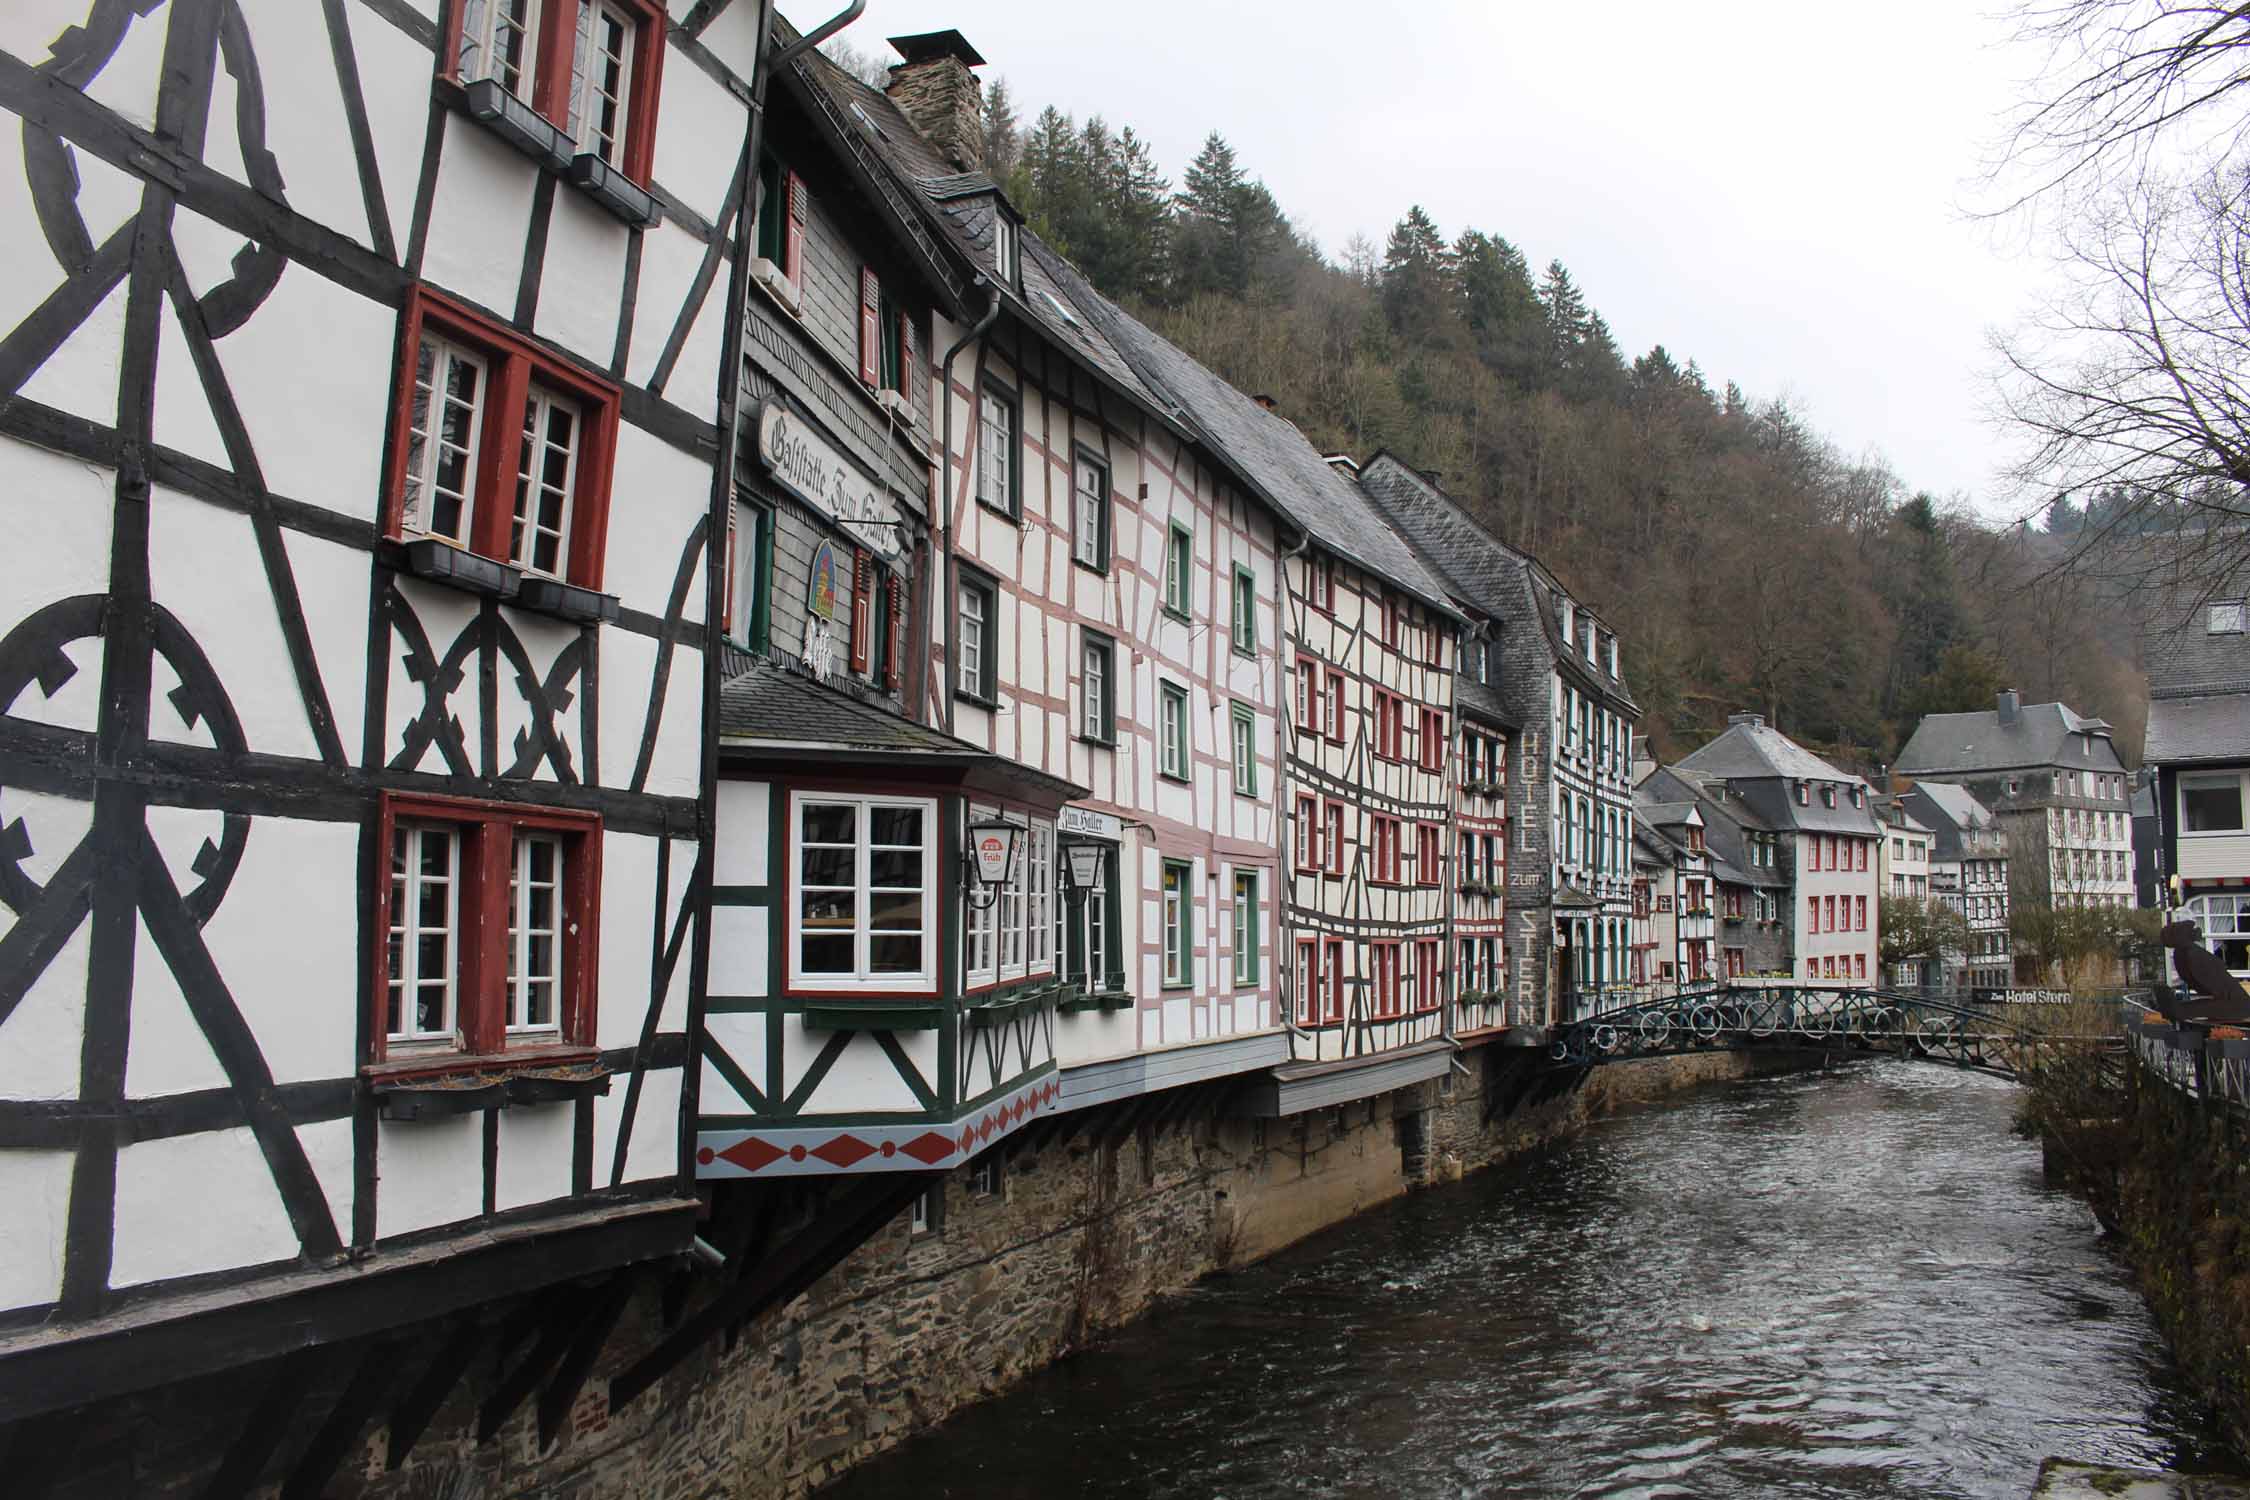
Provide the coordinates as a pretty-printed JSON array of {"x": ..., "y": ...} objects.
[{"x": 809, "y": 467}]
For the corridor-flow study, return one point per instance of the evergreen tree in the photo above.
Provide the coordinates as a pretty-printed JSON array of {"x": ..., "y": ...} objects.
[
  {"x": 1001, "y": 144},
  {"x": 1417, "y": 279},
  {"x": 1566, "y": 315}
]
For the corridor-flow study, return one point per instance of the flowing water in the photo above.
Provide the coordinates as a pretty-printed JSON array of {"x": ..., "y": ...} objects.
[{"x": 1850, "y": 1285}]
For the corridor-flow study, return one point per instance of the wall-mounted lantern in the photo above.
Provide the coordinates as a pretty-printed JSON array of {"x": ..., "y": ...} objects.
[{"x": 992, "y": 859}]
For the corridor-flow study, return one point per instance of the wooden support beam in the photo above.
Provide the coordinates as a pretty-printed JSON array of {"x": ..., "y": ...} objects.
[
  {"x": 566, "y": 1314},
  {"x": 34, "y": 1451},
  {"x": 378, "y": 1366},
  {"x": 422, "y": 1401},
  {"x": 267, "y": 1424},
  {"x": 578, "y": 1363},
  {"x": 846, "y": 1224}
]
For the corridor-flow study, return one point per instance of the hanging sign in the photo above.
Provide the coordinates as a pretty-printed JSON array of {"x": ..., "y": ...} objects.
[
  {"x": 1093, "y": 824},
  {"x": 809, "y": 467},
  {"x": 820, "y": 585},
  {"x": 993, "y": 846}
]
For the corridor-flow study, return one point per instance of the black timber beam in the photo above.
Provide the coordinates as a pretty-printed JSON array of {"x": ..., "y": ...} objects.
[
  {"x": 578, "y": 1361},
  {"x": 317, "y": 1463},
  {"x": 61, "y": 1365},
  {"x": 265, "y": 1427},
  {"x": 421, "y": 1402}
]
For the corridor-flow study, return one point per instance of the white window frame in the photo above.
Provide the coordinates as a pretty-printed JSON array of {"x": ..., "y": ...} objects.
[
  {"x": 996, "y": 426},
  {"x": 1174, "y": 752},
  {"x": 434, "y": 397},
  {"x": 525, "y": 528},
  {"x": 481, "y": 20},
  {"x": 1243, "y": 731},
  {"x": 1177, "y": 908},
  {"x": 405, "y": 976},
  {"x": 2206, "y": 781},
  {"x": 1097, "y": 664},
  {"x": 923, "y": 981},
  {"x": 975, "y": 677},
  {"x": 1007, "y": 250},
  {"x": 1089, "y": 545},
  {"x": 586, "y": 92},
  {"x": 521, "y": 932}
]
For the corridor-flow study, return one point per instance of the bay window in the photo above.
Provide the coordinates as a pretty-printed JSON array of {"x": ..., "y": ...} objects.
[
  {"x": 864, "y": 876},
  {"x": 500, "y": 448},
  {"x": 2225, "y": 921},
  {"x": 488, "y": 923},
  {"x": 1013, "y": 935}
]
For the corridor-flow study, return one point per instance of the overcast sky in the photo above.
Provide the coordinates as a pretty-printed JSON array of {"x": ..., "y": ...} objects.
[{"x": 1774, "y": 188}]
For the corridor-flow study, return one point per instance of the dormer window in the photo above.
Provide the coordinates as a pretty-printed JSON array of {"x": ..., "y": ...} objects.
[
  {"x": 1855, "y": 796},
  {"x": 1613, "y": 656},
  {"x": 1827, "y": 796},
  {"x": 1007, "y": 252},
  {"x": 1804, "y": 794}
]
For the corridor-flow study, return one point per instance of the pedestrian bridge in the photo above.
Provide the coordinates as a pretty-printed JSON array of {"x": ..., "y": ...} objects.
[{"x": 2002, "y": 1039}]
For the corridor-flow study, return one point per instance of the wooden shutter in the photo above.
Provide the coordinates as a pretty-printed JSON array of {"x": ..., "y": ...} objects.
[
  {"x": 894, "y": 625},
  {"x": 863, "y": 610},
  {"x": 793, "y": 237},
  {"x": 905, "y": 356},
  {"x": 870, "y": 326}
]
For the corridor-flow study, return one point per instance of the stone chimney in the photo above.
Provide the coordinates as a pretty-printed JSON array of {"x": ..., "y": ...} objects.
[
  {"x": 935, "y": 89},
  {"x": 1755, "y": 721},
  {"x": 2011, "y": 707}
]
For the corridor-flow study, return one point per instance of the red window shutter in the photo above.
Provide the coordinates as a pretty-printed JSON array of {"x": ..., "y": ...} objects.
[
  {"x": 793, "y": 252},
  {"x": 895, "y": 623},
  {"x": 870, "y": 325},
  {"x": 863, "y": 610}
]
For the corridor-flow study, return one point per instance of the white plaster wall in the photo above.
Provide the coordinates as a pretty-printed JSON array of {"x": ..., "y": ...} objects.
[
  {"x": 81, "y": 376},
  {"x": 669, "y": 259},
  {"x": 744, "y": 853},
  {"x": 166, "y": 1051},
  {"x": 318, "y": 421},
  {"x": 328, "y": 1146},
  {"x": 739, "y": 952},
  {"x": 676, "y": 770},
  {"x": 443, "y": 615},
  {"x": 40, "y": 1041},
  {"x": 744, "y": 1039},
  {"x": 170, "y": 1219},
  {"x": 658, "y": 495},
  {"x": 190, "y": 544},
  {"x": 628, "y": 899},
  {"x": 332, "y": 589},
  {"x": 584, "y": 272},
  {"x": 533, "y": 1164},
  {"x": 655, "y": 1148},
  {"x": 307, "y": 130},
  {"x": 480, "y": 216},
  {"x": 698, "y": 139},
  {"x": 36, "y": 1186},
  {"x": 183, "y": 418},
  {"x": 295, "y": 981},
  {"x": 431, "y": 1172},
  {"x": 394, "y": 81},
  {"x": 862, "y": 1080}
]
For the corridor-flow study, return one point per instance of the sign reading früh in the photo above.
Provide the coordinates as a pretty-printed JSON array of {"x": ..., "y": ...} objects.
[
  {"x": 809, "y": 467},
  {"x": 993, "y": 848}
]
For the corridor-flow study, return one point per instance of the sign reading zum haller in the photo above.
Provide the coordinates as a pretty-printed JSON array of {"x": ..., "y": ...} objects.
[{"x": 809, "y": 467}]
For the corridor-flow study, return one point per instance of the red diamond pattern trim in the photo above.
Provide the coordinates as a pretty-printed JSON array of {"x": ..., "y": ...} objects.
[
  {"x": 843, "y": 1151},
  {"x": 929, "y": 1148},
  {"x": 751, "y": 1154}
]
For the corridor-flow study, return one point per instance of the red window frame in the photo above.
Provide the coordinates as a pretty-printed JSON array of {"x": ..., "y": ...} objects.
[
  {"x": 550, "y": 71},
  {"x": 1433, "y": 740},
  {"x": 1332, "y": 836},
  {"x": 1332, "y": 715},
  {"x": 1333, "y": 997},
  {"x": 1859, "y": 913},
  {"x": 1429, "y": 972},
  {"x": 1391, "y": 614},
  {"x": 1320, "y": 585},
  {"x": 480, "y": 995},
  {"x": 514, "y": 363},
  {"x": 1426, "y": 858},
  {"x": 1384, "y": 958},
  {"x": 1859, "y": 965},
  {"x": 1308, "y": 834},
  {"x": 1308, "y": 981},
  {"x": 894, "y": 626},
  {"x": 863, "y": 610},
  {"x": 1862, "y": 854},
  {"x": 1308, "y": 686}
]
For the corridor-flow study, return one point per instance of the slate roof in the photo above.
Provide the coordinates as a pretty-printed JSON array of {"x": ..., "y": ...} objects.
[
  {"x": 1481, "y": 568},
  {"x": 1949, "y": 811},
  {"x": 2181, "y": 655},
  {"x": 773, "y": 708},
  {"x": 2043, "y": 734},
  {"x": 2213, "y": 728},
  {"x": 1752, "y": 751},
  {"x": 1663, "y": 814},
  {"x": 1724, "y": 819},
  {"x": 1482, "y": 701}
]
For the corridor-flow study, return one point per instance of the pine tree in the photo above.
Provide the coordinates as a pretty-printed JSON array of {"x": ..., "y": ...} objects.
[
  {"x": 1002, "y": 146},
  {"x": 1417, "y": 279}
]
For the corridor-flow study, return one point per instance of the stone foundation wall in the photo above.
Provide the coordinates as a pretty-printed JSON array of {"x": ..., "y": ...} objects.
[{"x": 1083, "y": 1231}]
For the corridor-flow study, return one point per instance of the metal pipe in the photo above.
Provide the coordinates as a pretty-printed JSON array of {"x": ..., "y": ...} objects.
[
  {"x": 1284, "y": 964},
  {"x": 818, "y": 34},
  {"x": 943, "y": 520},
  {"x": 706, "y": 1254}
]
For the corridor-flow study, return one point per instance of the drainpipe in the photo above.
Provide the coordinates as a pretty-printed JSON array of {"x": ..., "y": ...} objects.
[
  {"x": 812, "y": 39},
  {"x": 1285, "y": 965},
  {"x": 944, "y": 516}
]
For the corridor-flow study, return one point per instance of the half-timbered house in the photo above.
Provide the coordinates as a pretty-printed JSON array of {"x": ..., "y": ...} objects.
[
  {"x": 1558, "y": 673},
  {"x": 1484, "y": 733},
  {"x": 362, "y": 410},
  {"x": 876, "y": 1006}
]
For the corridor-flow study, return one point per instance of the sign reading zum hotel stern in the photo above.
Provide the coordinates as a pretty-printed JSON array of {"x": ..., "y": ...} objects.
[{"x": 809, "y": 467}]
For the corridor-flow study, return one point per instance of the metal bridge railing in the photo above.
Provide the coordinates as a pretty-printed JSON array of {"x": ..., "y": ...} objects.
[{"x": 2215, "y": 1070}]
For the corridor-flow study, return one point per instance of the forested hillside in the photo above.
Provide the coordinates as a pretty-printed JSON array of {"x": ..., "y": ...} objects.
[{"x": 1747, "y": 562}]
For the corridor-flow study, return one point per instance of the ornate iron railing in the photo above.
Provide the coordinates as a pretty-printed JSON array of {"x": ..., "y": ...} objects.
[
  {"x": 1741, "y": 1015},
  {"x": 2215, "y": 1070}
]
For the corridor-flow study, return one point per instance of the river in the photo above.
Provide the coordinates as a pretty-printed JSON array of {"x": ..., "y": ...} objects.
[{"x": 1850, "y": 1285}]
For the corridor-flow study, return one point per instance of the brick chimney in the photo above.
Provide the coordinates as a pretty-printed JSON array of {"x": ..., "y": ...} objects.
[
  {"x": 2010, "y": 707},
  {"x": 935, "y": 89}
]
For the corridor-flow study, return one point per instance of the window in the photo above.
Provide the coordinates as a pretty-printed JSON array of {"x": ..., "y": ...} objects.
[
  {"x": 1245, "y": 612},
  {"x": 1804, "y": 793},
  {"x": 747, "y": 610},
  {"x": 488, "y": 919},
  {"x": 1090, "y": 513},
  {"x": 1245, "y": 927},
  {"x": 864, "y": 869},
  {"x": 1308, "y": 832},
  {"x": 1332, "y": 837},
  {"x": 987, "y": 1174},
  {"x": 890, "y": 631},
  {"x": 501, "y": 448},
  {"x": 2226, "y": 618},
  {"x": 1391, "y": 617},
  {"x": 1429, "y": 973},
  {"x": 1179, "y": 926},
  {"x": 1308, "y": 982},
  {"x": 1179, "y": 556},
  {"x": 1173, "y": 731},
  {"x": 1390, "y": 725},
  {"x": 592, "y": 68},
  {"x": 885, "y": 351},
  {"x": 1097, "y": 689},
  {"x": 1333, "y": 714},
  {"x": 781, "y": 220},
  {"x": 1088, "y": 948},
  {"x": 1320, "y": 584},
  {"x": 926, "y": 1214},
  {"x": 1006, "y": 250},
  {"x": 1383, "y": 963},
  {"x": 975, "y": 658},
  {"x": 2225, "y": 921},
  {"x": 1432, "y": 746},
  {"x": 1245, "y": 751},
  {"x": 997, "y": 487},
  {"x": 1426, "y": 870},
  {"x": 2210, "y": 804},
  {"x": 1386, "y": 850},
  {"x": 1859, "y": 913}
]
